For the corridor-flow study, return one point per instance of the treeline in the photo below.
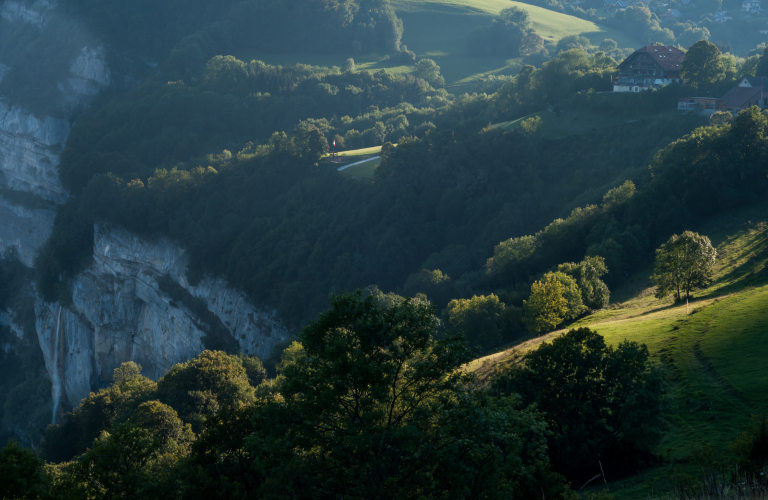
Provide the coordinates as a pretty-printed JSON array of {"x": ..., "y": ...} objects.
[
  {"x": 710, "y": 170},
  {"x": 233, "y": 103},
  {"x": 329, "y": 424}
]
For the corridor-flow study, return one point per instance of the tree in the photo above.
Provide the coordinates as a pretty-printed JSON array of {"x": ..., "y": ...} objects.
[
  {"x": 127, "y": 462},
  {"x": 762, "y": 64},
  {"x": 587, "y": 273},
  {"x": 164, "y": 423},
  {"x": 484, "y": 319},
  {"x": 200, "y": 386},
  {"x": 378, "y": 408},
  {"x": 573, "y": 42},
  {"x": 436, "y": 285},
  {"x": 702, "y": 65},
  {"x": 429, "y": 71},
  {"x": 126, "y": 372},
  {"x": 349, "y": 66},
  {"x": 22, "y": 474},
  {"x": 546, "y": 307},
  {"x": 572, "y": 295},
  {"x": 602, "y": 402},
  {"x": 684, "y": 263}
]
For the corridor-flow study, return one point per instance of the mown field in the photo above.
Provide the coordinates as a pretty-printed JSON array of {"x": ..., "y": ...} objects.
[
  {"x": 439, "y": 29},
  {"x": 714, "y": 354}
]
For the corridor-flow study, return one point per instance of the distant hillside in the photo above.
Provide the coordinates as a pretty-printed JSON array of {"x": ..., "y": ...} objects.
[{"x": 439, "y": 30}]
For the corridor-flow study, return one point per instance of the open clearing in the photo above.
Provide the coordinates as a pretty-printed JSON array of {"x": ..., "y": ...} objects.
[
  {"x": 364, "y": 168},
  {"x": 714, "y": 356},
  {"x": 439, "y": 29}
]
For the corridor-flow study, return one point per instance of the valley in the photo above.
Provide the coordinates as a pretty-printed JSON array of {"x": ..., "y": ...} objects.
[{"x": 196, "y": 302}]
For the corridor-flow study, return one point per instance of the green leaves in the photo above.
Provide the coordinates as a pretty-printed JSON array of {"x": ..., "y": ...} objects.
[
  {"x": 702, "y": 65},
  {"x": 600, "y": 401},
  {"x": 683, "y": 263}
]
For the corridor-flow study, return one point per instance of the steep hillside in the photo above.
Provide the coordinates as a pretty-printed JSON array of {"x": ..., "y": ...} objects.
[{"x": 713, "y": 349}]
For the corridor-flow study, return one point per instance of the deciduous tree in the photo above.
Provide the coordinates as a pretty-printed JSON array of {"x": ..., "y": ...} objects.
[
  {"x": 702, "y": 65},
  {"x": 684, "y": 263},
  {"x": 598, "y": 399},
  {"x": 547, "y": 306}
]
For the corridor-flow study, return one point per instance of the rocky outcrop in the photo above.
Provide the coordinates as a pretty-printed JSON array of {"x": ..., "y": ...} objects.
[
  {"x": 28, "y": 12},
  {"x": 3, "y": 71},
  {"x": 24, "y": 228},
  {"x": 29, "y": 152},
  {"x": 89, "y": 75},
  {"x": 119, "y": 313}
]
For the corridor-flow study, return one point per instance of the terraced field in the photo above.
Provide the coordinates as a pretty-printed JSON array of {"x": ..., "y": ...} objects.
[{"x": 714, "y": 353}]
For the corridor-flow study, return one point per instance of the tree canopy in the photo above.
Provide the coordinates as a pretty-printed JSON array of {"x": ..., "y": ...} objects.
[
  {"x": 683, "y": 263},
  {"x": 600, "y": 401},
  {"x": 702, "y": 65}
]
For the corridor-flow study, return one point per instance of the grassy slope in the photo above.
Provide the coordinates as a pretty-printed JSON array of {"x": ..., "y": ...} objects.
[
  {"x": 438, "y": 30},
  {"x": 567, "y": 123},
  {"x": 364, "y": 170},
  {"x": 714, "y": 356}
]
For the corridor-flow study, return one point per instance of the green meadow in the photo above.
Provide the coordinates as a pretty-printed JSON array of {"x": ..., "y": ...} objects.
[
  {"x": 439, "y": 29},
  {"x": 714, "y": 349}
]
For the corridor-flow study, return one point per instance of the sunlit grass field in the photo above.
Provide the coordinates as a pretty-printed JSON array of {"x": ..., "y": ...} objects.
[
  {"x": 715, "y": 353},
  {"x": 439, "y": 29}
]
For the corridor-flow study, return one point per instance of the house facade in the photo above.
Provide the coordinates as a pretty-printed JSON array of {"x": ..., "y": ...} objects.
[
  {"x": 701, "y": 105},
  {"x": 751, "y": 6},
  {"x": 649, "y": 68}
]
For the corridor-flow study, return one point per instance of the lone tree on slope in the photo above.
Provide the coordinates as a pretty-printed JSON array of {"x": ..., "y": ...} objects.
[{"x": 683, "y": 263}]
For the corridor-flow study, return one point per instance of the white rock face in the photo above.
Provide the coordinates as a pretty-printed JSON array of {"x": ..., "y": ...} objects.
[
  {"x": 120, "y": 314},
  {"x": 3, "y": 71},
  {"x": 90, "y": 73},
  {"x": 29, "y": 152},
  {"x": 24, "y": 228},
  {"x": 36, "y": 13}
]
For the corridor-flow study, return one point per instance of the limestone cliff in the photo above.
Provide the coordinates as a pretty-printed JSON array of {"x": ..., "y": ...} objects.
[
  {"x": 119, "y": 313},
  {"x": 25, "y": 228}
]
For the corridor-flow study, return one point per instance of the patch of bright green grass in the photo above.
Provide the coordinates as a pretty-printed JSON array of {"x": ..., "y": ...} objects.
[
  {"x": 713, "y": 351},
  {"x": 364, "y": 169},
  {"x": 361, "y": 152},
  {"x": 439, "y": 29}
]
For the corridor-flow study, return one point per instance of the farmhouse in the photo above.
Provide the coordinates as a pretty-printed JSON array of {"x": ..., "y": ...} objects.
[
  {"x": 649, "y": 68},
  {"x": 739, "y": 98},
  {"x": 751, "y": 6}
]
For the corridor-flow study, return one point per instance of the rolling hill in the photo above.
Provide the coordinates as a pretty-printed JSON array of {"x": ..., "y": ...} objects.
[
  {"x": 439, "y": 29},
  {"x": 714, "y": 352}
]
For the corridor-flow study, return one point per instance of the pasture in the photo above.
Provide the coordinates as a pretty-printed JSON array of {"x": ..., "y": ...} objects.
[
  {"x": 714, "y": 356},
  {"x": 439, "y": 29}
]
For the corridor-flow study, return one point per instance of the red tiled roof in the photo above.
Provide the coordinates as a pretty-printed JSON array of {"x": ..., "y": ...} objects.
[
  {"x": 737, "y": 97},
  {"x": 669, "y": 58}
]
